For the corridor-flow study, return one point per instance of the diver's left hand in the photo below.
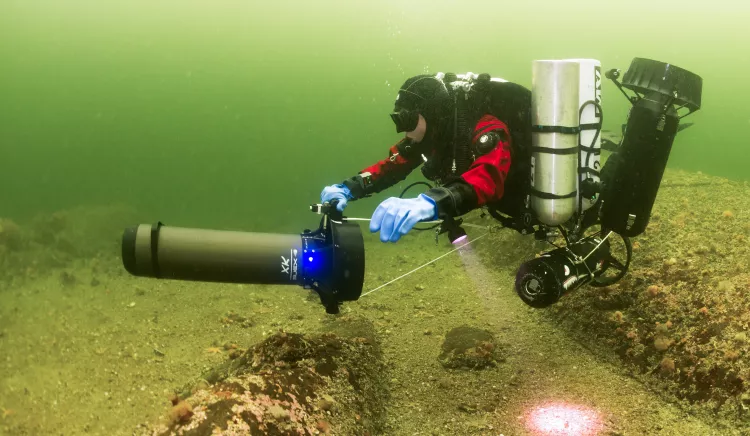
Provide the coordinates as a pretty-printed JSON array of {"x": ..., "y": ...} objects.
[{"x": 396, "y": 216}]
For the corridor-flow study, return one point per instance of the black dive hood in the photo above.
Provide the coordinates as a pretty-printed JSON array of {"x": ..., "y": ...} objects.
[{"x": 424, "y": 95}]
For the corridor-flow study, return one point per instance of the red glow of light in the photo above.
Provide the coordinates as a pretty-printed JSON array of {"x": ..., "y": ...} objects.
[{"x": 564, "y": 420}]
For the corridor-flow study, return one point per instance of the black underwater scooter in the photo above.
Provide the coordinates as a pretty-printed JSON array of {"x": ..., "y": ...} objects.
[{"x": 331, "y": 259}]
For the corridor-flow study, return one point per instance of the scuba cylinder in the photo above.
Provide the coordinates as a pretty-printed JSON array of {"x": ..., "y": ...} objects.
[{"x": 554, "y": 139}]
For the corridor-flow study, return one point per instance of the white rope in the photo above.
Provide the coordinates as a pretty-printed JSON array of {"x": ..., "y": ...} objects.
[{"x": 422, "y": 266}]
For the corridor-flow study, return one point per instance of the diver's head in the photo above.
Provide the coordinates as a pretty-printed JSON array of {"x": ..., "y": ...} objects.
[{"x": 421, "y": 104}]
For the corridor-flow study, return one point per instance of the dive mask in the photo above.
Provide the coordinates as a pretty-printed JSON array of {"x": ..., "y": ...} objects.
[{"x": 405, "y": 120}]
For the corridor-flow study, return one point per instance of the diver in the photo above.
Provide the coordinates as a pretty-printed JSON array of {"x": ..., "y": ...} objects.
[
  {"x": 484, "y": 142},
  {"x": 471, "y": 133}
]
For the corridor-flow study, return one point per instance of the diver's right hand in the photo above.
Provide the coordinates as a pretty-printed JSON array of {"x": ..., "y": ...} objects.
[{"x": 337, "y": 192}]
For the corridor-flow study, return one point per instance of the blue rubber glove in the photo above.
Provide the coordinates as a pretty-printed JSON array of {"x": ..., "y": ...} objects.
[
  {"x": 337, "y": 192},
  {"x": 396, "y": 216}
]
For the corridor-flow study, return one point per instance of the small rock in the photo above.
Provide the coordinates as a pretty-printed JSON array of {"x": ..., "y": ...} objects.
[
  {"x": 278, "y": 413},
  {"x": 662, "y": 329},
  {"x": 468, "y": 348},
  {"x": 662, "y": 343},
  {"x": 419, "y": 288},
  {"x": 667, "y": 365},
  {"x": 323, "y": 426},
  {"x": 725, "y": 286},
  {"x": 427, "y": 332},
  {"x": 326, "y": 402},
  {"x": 445, "y": 383}
]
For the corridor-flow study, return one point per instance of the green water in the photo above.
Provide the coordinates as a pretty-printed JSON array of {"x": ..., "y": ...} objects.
[{"x": 237, "y": 113}]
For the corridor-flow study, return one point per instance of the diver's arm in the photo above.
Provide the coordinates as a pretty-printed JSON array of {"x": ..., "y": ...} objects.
[
  {"x": 453, "y": 199},
  {"x": 402, "y": 160},
  {"x": 484, "y": 181}
]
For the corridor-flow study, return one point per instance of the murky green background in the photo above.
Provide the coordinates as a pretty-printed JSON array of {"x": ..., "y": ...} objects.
[{"x": 237, "y": 113}]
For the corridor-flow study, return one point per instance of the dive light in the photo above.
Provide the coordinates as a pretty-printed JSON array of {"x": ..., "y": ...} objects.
[{"x": 542, "y": 281}]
